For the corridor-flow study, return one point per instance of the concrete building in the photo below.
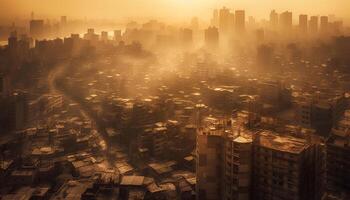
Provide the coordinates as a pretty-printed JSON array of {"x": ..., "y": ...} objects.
[
  {"x": 286, "y": 21},
  {"x": 209, "y": 160},
  {"x": 324, "y": 24},
  {"x": 224, "y": 20},
  {"x": 238, "y": 167},
  {"x": 240, "y": 20},
  {"x": 36, "y": 28},
  {"x": 338, "y": 155},
  {"x": 283, "y": 167},
  {"x": 303, "y": 20},
  {"x": 273, "y": 19},
  {"x": 211, "y": 37},
  {"x": 313, "y": 25}
]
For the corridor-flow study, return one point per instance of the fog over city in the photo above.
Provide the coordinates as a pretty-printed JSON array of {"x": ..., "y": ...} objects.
[{"x": 174, "y": 99}]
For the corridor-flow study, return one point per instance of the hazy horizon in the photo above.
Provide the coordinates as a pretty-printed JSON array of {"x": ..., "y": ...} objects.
[{"x": 175, "y": 10}]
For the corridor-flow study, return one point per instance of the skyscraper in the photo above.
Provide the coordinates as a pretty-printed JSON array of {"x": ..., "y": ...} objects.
[
  {"x": 273, "y": 19},
  {"x": 211, "y": 37},
  {"x": 286, "y": 21},
  {"x": 240, "y": 20},
  {"x": 224, "y": 20},
  {"x": 36, "y": 28},
  {"x": 118, "y": 35},
  {"x": 324, "y": 24},
  {"x": 303, "y": 23},
  {"x": 313, "y": 24},
  {"x": 104, "y": 36}
]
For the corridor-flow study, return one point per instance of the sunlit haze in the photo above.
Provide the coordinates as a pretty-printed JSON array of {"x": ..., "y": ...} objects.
[
  {"x": 175, "y": 99},
  {"x": 168, "y": 9}
]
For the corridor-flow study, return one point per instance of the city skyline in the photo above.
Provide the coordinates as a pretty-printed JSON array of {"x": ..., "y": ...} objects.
[{"x": 174, "y": 99}]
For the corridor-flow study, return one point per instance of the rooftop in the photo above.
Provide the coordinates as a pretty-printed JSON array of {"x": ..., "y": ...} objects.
[{"x": 277, "y": 142}]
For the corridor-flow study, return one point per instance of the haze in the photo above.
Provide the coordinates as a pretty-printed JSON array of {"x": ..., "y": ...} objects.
[{"x": 166, "y": 9}]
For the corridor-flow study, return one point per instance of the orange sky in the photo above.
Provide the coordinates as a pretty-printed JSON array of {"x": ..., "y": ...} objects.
[{"x": 166, "y": 9}]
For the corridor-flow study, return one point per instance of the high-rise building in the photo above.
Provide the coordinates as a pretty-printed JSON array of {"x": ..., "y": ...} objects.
[
  {"x": 118, "y": 35},
  {"x": 13, "y": 40},
  {"x": 286, "y": 21},
  {"x": 239, "y": 20},
  {"x": 273, "y": 19},
  {"x": 323, "y": 24},
  {"x": 211, "y": 37},
  {"x": 313, "y": 24},
  {"x": 104, "y": 36},
  {"x": 36, "y": 28},
  {"x": 209, "y": 160},
  {"x": 338, "y": 156},
  {"x": 238, "y": 167},
  {"x": 284, "y": 166},
  {"x": 303, "y": 23},
  {"x": 224, "y": 20}
]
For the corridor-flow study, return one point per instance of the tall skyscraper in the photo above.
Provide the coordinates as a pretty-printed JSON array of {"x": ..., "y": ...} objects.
[
  {"x": 303, "y": 19},
  {"x": 224, "y": 20},
  {"x": 286, "y": 21},
  {"x": 104, "y": 36},
  {"x": 313, "y": 24},
  {"x": 118, "y": 35},
  {"x": 36, "y": 28},
  {"x": 209, "y": 160},
  {"x": 240, "y": 20},
  {"x": 323, "y": 24},
  {"x": 273, "y": 19},
  {"x": 211, "y": 36}
]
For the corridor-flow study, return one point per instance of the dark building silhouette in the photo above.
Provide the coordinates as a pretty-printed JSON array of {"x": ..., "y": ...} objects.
[
  {"x": 211, "y": 36},
  {"x": 313, "y": 25},
  {"x": 240, "y": 20},
  {"x": 36, "y": 28},
  {"x": 273, "y": 19},
  {"x": 303, "y": 20},
  {"x": 286, "y": 21}
]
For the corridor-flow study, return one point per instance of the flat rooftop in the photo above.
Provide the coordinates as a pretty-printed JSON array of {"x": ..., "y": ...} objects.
[{"x": 277, "y": 142}]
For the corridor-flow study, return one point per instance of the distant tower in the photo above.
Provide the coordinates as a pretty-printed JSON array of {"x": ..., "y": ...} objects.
[
  {"x": 303, "y": 23},
  {"x": 324, "y": 24},
  {"x": 286, "y": 21},
  {"x": 240, "y": 20},
  {"x": 313, "y": 25},
  {"x": 211, "y": 37},
  {"x": 32, "y": 15},
  {"x": 273, "y": 19},
  {"x": 224, "y": 20}
]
